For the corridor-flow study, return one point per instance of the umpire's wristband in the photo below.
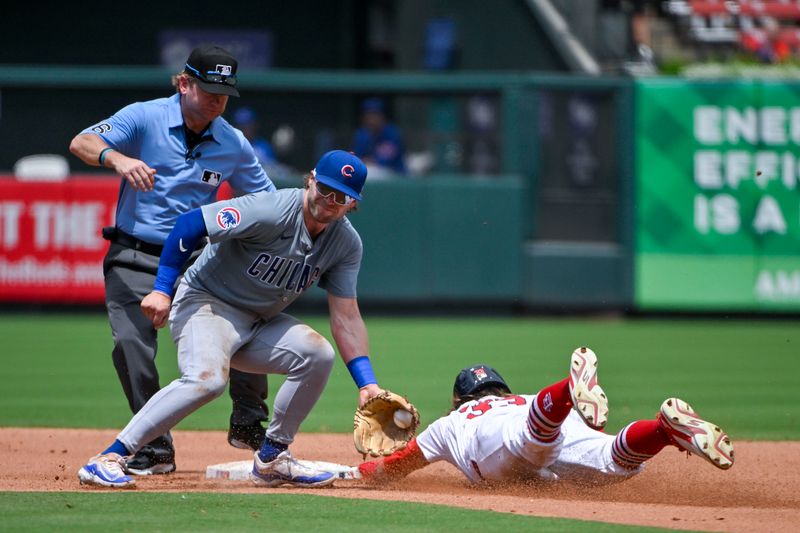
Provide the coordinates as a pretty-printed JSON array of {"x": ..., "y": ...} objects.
[
  {"x": 102, "y": 157},
  {"x": 361, "y": 370}
]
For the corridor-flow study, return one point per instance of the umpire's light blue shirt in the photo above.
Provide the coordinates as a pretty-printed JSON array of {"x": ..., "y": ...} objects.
[{"x": 153, "y": 132}]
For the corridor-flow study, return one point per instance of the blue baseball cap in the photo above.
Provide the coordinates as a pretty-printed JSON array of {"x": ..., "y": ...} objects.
[
  {"x": 245, "y": 115},
  {"x": 342, "y": 171},
  {"x": 372, "y": 105}
]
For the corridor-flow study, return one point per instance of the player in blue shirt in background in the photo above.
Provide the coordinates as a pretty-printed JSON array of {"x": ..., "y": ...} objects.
[
  {"x": 172, "y": 154},
  {"x": 378, "y": 142},
  {"x": 246, "y": 119}
]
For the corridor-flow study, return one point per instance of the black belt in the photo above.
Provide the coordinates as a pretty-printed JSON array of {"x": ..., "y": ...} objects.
[{"x": 129, "y": 241}]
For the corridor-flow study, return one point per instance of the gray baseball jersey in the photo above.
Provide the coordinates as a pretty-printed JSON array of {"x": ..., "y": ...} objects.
[
  {"x": 262, "y": 258},
  {"x": 227, "y": 311}
]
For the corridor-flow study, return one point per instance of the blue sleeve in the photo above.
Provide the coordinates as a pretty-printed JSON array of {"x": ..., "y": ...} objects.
[
  {"x": 362, "y": 144},
  {"x": 398, "y": 162},
  {"x": 121, "y": 130},
  {"x": 249, "y": 176},
  {"x": 264, "y": 150},
  {"x": 392, "y": 133},
  {"x": 181, "y": 242}
]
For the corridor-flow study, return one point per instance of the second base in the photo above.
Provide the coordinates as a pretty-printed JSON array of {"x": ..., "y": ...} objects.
[{"x": 240, "y": 470}]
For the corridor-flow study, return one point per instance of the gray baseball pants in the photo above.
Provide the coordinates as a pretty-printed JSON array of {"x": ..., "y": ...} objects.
[
  {"x": 129, "y": 276},
  {"x": 212, "y": 337}
]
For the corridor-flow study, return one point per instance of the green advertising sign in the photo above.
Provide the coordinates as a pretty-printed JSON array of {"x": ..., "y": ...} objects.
[{"x": 717, "y": 200}]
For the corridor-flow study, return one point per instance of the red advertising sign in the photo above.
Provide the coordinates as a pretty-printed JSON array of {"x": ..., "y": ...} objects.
[{"x": 51, "y": 248}]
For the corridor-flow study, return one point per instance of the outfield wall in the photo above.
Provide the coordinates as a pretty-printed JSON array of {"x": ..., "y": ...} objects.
[
  {"x": 447, "y": 239},
  {"x": 607, "y": 194}
]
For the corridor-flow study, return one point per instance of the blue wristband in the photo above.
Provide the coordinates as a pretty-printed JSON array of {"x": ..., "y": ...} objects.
[
  {"x": 361, "y": 370},
  {"x": 102, "y": 157}
]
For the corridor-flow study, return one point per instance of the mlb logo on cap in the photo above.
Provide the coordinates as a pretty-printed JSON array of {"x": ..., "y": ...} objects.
[
  {"x": 342, "y": 171},
  {"x": 475, "y": 378},
  {"x": 214, "y": 68}
]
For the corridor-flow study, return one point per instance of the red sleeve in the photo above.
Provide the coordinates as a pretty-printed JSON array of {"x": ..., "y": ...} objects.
[{"x": 395, "y": 466}]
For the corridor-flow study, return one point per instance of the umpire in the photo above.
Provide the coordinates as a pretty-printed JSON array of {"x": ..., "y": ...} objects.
[{"x": 172, "y": 154}]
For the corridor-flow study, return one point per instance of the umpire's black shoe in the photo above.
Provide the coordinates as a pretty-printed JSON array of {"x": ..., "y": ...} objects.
[
  {"x": 151, "y": 460},
  {"x": 247, "y": 437}
]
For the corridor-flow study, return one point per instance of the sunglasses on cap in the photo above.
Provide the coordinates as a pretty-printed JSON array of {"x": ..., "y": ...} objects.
[
  {"x": 338, "y": 196},
  {"x": 213, "y": 76}
]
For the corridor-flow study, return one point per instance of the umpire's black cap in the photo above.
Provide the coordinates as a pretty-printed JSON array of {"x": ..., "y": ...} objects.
[
  {"x": 474, "y": 378},
  {"x": 214, "y": 68}
]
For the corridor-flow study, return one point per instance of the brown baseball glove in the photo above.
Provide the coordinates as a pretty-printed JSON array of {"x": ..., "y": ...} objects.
[{"x": 375, "y": 431}]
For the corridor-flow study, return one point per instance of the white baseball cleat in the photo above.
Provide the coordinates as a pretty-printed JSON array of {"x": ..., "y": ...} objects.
[
  {"x": 105, "y": 470},
  {"x": 285, "y": 470},
  {"x": 588, "y": 397},
  {"x": 692, "y": 434}
]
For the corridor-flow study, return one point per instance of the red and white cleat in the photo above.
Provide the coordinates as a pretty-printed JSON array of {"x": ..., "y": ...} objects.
[
  {"x": 692, "y": 434},
  {"x": 587, "y": 396}
]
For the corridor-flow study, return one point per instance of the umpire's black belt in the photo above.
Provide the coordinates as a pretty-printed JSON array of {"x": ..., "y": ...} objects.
[{"x": 129, "y": 241}]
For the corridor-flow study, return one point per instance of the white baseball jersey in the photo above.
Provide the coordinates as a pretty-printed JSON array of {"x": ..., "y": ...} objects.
[{"x": 488, "y": 439}]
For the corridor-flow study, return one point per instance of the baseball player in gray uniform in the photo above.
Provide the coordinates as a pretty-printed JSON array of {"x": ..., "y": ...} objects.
[
  {"x": 266, "y": 250},
  {"x": 492, "y": 435},
  {"x": 172, "y": 154}
]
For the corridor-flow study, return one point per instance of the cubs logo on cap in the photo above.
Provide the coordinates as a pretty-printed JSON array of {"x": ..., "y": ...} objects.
[{"x": 342, "y": 171}]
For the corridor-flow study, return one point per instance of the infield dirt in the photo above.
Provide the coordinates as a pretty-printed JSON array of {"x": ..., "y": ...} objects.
[{"x": 760, "y": 493}]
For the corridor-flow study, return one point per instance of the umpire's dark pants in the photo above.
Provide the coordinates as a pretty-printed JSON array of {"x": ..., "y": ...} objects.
[{"x": 129, "y": 276}]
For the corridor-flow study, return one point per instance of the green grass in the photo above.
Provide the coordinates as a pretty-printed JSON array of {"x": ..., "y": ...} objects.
[
  {"x": 57, "y": 372},
  {"x": 57, "y": 369},
  {"x": 88, "y": 511}
]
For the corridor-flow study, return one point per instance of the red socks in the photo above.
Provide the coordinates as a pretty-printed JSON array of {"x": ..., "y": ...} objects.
[
  {"x": 638, "y": 442},
  {"x": 549, "y": 410}
]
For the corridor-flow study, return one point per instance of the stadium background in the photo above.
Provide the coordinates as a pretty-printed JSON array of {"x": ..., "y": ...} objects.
[
  {"x": 572, "y": 191},
  {"x": 541, "y": 190}
]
